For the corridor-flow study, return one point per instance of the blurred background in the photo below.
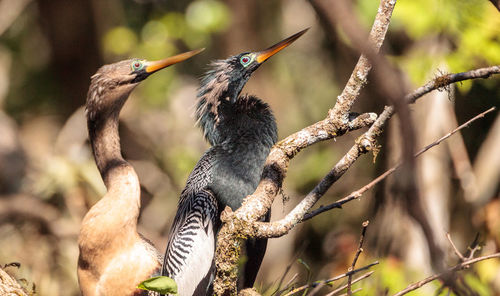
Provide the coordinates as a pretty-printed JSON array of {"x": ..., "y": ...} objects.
[{"x": 48, "y": 179}]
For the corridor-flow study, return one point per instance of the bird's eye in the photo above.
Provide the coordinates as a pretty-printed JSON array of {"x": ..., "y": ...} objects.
[
  {"x": 137, "y": 65},
  {"x": 246, "y": 60}
]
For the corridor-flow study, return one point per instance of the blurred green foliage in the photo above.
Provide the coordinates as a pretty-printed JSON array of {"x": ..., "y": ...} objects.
[
  {"x": 449, "y": 35},
  {"x": 454, "y": 36}
]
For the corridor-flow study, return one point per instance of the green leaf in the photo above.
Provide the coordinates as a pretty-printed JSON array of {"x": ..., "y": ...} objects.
[{"x": 161, "y": 284}]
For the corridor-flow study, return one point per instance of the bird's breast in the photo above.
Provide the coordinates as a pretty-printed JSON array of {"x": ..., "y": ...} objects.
[{"x": 127, "y": 269}]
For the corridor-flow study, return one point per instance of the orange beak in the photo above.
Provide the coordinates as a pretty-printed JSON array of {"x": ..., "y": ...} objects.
[
  {"x": 262, "y": 56},
  {"x": 158, "y": 65}
]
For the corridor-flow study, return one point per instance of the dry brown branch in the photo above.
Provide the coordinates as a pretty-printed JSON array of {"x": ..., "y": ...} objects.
[
  {"x": 255, "y": 206},
  {"x": 356, "y": 256},
  {"x": 473, "y": 248},
  {"x": 290, "y": 282},
  {"x": 363, "y": 144},
  {"x": 336, "y": 278},
  {"x": 457, "y": 252},
  {"x": 453, "y": 281},
  {"x": 295, "y": 215},
  {"x": 364, "y": 276},
  {"x": 389, "y": 84},
  {"x": 460, "y": 266},
  {"x": 341, "y": 12},
  {"x": 258, "y": 204},
  {"x": 358, "y": 193}
]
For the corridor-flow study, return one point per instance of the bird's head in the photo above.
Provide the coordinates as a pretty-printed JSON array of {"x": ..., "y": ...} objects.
[
  {"x": 244, "y": 64},
  {"x": 227, "y": 77},
  {"x": 111, "y": 85},
  {"x": 225, "y": 80}
]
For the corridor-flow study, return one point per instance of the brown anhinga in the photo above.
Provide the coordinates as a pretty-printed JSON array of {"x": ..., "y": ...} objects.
[
  {"x": 241, "y": 130},
  {"x": 114, "y": 257}
]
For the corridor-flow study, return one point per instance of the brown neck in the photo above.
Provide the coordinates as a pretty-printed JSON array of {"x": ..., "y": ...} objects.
[{"x": 105, "y": 140}]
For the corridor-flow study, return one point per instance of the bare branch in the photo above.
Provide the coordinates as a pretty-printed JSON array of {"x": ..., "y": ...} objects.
[
  {"x": 364, "y": 276},
  {"x": 364, "y": 144},
  {"x": 336, "y": 278},
  {"x": 358, "y": 193},
  {"x": 9, "y": 285},
  {"x": 334, "y": 10},
  {"x": 240, "y": 224},
  {"x": 290, "y": 282},
  {"x": 457, "y": 252},
  {"x": 473, "y": 247},
  {"x": 455, "y": 268},
  {"x": 358, "y": 252},
  {"x": 299, "y": 213},
  {"x": 258, "y": 204}
]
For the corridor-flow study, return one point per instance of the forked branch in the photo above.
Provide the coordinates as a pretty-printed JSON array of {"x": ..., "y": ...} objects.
[
  {"x": 259, "y": 203},
  {"x": 358, "y": 193}
]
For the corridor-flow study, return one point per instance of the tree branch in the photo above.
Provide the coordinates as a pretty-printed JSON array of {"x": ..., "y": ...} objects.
[
  {"x": 336, "y": 278},
  {"x": 364, "y": 144},
  {"x": 9, "y": 285},
  {"x": 258, "y": 204},
  {"x": 455, "y": 268},
  {"x": 364, "y": 276},
  {"x": 358, "y": 252},
  {"x": 241, "y": 224},
  {"x": 358, "y": 193},
  {"x": 335, "y": 11}
]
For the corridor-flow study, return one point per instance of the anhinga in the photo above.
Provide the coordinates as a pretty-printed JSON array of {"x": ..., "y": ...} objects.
[
  {"x": 241, "y": 130},
  {"x": 114, "y": 257}
]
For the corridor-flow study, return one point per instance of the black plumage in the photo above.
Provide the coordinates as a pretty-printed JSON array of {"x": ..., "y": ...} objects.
[{"x": 241, "y": 130}]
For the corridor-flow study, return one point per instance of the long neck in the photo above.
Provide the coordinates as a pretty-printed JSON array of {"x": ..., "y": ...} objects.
[
  {"x": 105, "y": 143},
  {"x": 103, "y": 133},
  {"x": 119, "y": 208}
]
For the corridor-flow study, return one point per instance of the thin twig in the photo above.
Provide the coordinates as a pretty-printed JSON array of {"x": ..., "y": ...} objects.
[
  {"x": 457, "y": 267},
  {"x": 457, "y": 252},
  {"x": 336, "y": 278},
  {"x": 290, "y": 282},
  {"x": 358, "y": 252},
  {"x": 364, "y": 276}
]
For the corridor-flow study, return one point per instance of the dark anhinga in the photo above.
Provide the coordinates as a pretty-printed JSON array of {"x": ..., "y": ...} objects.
[
  {"x": 114, "y": 257},
  {"x": 241, "y": 130}
]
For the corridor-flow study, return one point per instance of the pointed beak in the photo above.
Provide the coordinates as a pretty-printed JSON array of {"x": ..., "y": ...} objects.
[
  {"x": 262, "y": 56},
  {"x": 158, "y": 65}
]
